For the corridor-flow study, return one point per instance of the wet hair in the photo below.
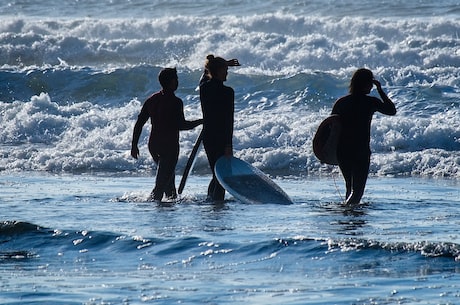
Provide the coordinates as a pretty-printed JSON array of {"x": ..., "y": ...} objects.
[
  {"x": 166, "y": 75},
  {"x": 214, "y": 64},
  {"x": 361, "y": 79}
]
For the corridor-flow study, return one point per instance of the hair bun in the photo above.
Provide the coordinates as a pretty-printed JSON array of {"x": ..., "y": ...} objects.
[{"x": 210, "y": 57}]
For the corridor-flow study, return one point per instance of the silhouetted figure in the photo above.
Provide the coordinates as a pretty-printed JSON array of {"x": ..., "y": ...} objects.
[
  {"x": 217, "y": 104},
  {"x": 166, "y": 113},
  {"x": 356, "y": 111}
]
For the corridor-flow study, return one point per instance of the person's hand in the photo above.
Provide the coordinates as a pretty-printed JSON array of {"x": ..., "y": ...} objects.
[
  {"x": 233, "y": 62},
  {"x": 134, "y": 152},
  {"x": 377, "y": 84}
]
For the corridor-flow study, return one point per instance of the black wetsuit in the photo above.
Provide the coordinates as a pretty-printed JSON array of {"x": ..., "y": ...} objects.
[
  {"x": 166, "y": 113},
  {"x": 217, "y": 104},
  {"x": 353, "y": 151}
]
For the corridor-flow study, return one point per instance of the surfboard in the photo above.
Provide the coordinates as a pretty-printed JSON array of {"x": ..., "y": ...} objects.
[
  {"x": 326, "y": 139},
  {"x": 190, "y": 161},
  {"x": 247, "y": 183}
]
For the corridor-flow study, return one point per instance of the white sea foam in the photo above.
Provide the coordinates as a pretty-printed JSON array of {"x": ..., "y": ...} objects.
[
  {"x": 71, "y": 88},
  {"x": 42, "y": 135},
  {"x": 269, "y": 43}
]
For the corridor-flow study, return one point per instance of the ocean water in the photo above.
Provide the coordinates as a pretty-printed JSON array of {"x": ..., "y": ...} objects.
[{"x": 76, "y": 225}]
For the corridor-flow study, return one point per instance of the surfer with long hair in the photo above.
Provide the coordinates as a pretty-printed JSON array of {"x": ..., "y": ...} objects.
[
  {"x": 217, "y": 104},
  {"x": 356, "y": 111}
]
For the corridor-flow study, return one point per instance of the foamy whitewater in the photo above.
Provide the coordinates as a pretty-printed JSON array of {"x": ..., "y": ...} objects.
[{"x": 76, "y": 226}]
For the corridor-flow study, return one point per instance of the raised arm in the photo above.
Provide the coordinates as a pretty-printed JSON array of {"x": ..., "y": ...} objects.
[
  {"x": 388, "y": 107},
  {"x": 231, "y": 63}
]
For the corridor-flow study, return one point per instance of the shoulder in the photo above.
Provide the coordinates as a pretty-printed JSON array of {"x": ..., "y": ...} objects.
[
  {"x": 169, "y": 97},
  {"x": 372, "y": 98},
  {"x": 178, "y": 100},
  {"x": 205, "y": 85},
  {"x": 343, "y": 100},
  {"x": 152, "y": 97},
  {"x": 229, "y": 89},
  {"x": 375, "y": 101},
  {"x": 341, "y": 104}
]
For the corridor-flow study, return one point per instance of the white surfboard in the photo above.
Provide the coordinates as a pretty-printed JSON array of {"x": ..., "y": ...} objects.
[{"x": 247, "y": 183}]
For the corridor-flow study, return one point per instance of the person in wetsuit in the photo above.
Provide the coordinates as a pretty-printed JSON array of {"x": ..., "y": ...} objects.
[
  {"x": 355, "y": 111},
  {"x": 217, "y": 104},
  {"x": 166, "y": 114}
]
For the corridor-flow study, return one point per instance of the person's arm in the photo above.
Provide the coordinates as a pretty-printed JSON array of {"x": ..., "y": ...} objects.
[
  {"x": 230, "y": 112},
  {"x": 187, "y": 125},
  {"x": 387, "y": 107},
  {"x": 183, "y": 123},
  {"x": 204, "y": 77},
  {"x": 141, "y": 119},
  {"x": 231, "y": 63},
  {"x": 336, "y": 107}
]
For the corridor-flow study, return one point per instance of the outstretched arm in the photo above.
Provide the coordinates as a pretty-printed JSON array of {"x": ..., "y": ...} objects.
[
  {"x": 187, "y": 125},
  {"x": 182, "y": 122},
  {"x": 388, "y": 107}
]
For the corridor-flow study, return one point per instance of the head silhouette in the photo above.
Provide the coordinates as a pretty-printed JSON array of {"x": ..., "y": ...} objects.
[
  {"x": 361, "y": 82},
  {"x": 166, "y": 78},
  {"x": 216, "y": 67}
]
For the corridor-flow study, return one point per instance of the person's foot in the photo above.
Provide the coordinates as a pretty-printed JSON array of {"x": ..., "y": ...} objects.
[
  {"x": 171, "y": 196},
  {"x": 154, "y": 197}
]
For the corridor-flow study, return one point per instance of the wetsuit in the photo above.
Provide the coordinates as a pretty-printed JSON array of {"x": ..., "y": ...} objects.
[
  {"x": 166, "y": 113},
  {"x": 353, "y": 151},
  {"x": 217, "y": 104}
]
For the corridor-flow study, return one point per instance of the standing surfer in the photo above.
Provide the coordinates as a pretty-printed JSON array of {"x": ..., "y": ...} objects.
[
  {"x": 356, "y": 111},
  {"x": 217, "y": 104},
  {"x": 166, "y": 112}
]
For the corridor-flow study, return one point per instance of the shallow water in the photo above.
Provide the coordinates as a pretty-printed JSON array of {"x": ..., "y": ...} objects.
[{"x": 96, "y": 240}]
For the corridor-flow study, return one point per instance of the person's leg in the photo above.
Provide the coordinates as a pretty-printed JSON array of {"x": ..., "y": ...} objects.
[
  {"x": 359, "y": 179},
  {"x": 170, "y": 189},
  {"x": 215, "y": 191},
  {"x": 345, "y": 166},
  {"x": 211, "y": 187},
  {"x": 165, "y": 176},
  {"x": 347, "y": 176},
  {"x": 218, "y": 193}
]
